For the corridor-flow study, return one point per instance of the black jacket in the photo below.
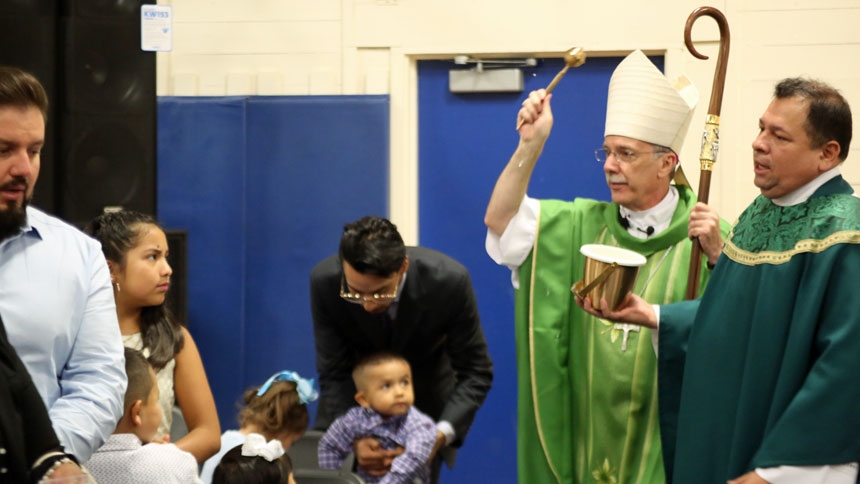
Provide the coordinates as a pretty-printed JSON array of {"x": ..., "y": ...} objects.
[
  {"x": 25, "y": 428},
  {"x": 437, "y": 329}
]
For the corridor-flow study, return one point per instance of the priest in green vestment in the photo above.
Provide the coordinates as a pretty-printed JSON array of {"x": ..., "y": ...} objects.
[
  {"x": 758, "y": 378},
  {"x": 587, "y": 388}
]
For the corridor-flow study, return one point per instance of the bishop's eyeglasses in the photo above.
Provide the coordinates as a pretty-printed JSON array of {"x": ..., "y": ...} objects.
[{"x": 625, "y": 155}]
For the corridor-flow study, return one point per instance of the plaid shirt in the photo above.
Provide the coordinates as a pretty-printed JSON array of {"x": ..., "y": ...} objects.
[{"x": 414, "y": 431}]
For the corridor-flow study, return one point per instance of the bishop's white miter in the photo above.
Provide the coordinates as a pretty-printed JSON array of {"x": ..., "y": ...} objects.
[{"x": 642, "y": 104}]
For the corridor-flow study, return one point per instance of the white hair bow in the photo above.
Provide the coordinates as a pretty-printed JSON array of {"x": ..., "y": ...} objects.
[{"x": 256, "y": 446}]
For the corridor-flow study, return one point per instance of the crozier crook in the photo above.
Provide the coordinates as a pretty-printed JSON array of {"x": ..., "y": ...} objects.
[{"x": 711, "y": 135}]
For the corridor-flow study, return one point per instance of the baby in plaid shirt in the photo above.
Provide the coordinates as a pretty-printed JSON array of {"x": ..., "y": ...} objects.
[{"x": 385, "y": 413}]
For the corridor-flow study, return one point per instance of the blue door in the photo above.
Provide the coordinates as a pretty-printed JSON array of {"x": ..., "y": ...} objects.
[{"x": 464, "y": 142}]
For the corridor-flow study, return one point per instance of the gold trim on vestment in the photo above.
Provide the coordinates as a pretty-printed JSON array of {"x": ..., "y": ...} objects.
[
  {"x": 532, "y": 353},
  {"x": 775, "y": 258}
]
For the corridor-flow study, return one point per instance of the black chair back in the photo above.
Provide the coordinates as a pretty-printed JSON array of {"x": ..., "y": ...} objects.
[
  {"x": 325, "y": 476},
  {"x": 303, "y": 452}
]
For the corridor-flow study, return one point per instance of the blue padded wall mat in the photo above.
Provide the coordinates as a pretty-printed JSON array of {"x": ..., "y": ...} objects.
[
  {"x": 263, "y": 185},
  {"x": 314, "y": 163},
  {"x": 201, "y": 188}
]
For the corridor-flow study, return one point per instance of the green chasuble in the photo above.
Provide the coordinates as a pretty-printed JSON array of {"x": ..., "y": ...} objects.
[
  {"x": 587, "y": 399},
  {"x": 769, "y": 356}
]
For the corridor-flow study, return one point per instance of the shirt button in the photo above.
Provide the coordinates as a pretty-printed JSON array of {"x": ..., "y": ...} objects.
[{"x": 2, "y": 450}]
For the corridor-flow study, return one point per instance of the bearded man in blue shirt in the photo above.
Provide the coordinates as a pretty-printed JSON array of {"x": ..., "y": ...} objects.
[{"x": 55, "y": 290}]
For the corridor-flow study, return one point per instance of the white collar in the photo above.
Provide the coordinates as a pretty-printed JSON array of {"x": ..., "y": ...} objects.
[
  {"x": 803, "y": 193},
  {"x": 659, "y": 216},
  {"x": 392, "y": 309}
]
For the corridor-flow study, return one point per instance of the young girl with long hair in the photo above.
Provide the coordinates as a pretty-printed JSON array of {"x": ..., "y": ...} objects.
[{"x": 136, "y": 250}]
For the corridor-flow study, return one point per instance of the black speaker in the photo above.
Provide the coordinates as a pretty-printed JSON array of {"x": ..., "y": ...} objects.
[
  {"x": 28, "y": 38},
  {"x": 108, "y": 121},
  {"x": 177, "y": 295}
]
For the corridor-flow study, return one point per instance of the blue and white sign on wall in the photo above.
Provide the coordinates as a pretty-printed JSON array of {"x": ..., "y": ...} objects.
[{"x": 156, "y": 28}]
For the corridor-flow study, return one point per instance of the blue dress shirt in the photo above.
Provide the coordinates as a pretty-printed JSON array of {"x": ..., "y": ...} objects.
[{"x": 58, "y": 307}]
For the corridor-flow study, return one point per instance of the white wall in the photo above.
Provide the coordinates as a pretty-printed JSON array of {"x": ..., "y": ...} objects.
[{"x": 238, "y": 47}]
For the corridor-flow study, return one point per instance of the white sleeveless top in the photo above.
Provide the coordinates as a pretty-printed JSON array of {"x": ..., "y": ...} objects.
[{"x": 165, "y": 384}]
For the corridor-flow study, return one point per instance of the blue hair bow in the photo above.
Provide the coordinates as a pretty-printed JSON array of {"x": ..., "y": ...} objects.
[{"x": 305, "y": 387}]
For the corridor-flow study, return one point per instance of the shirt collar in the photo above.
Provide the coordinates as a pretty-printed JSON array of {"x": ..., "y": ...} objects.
[
  {"x": 659, "y": 216},
  {"x": 392, "y": 308},
  {"x": 28, "y": 227},
  {"x": 121, "y": 442},
  {"x": 378, "y": 419},
  {"x": 803, "y": 193},
  {"x": 400, "y": 287}
]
